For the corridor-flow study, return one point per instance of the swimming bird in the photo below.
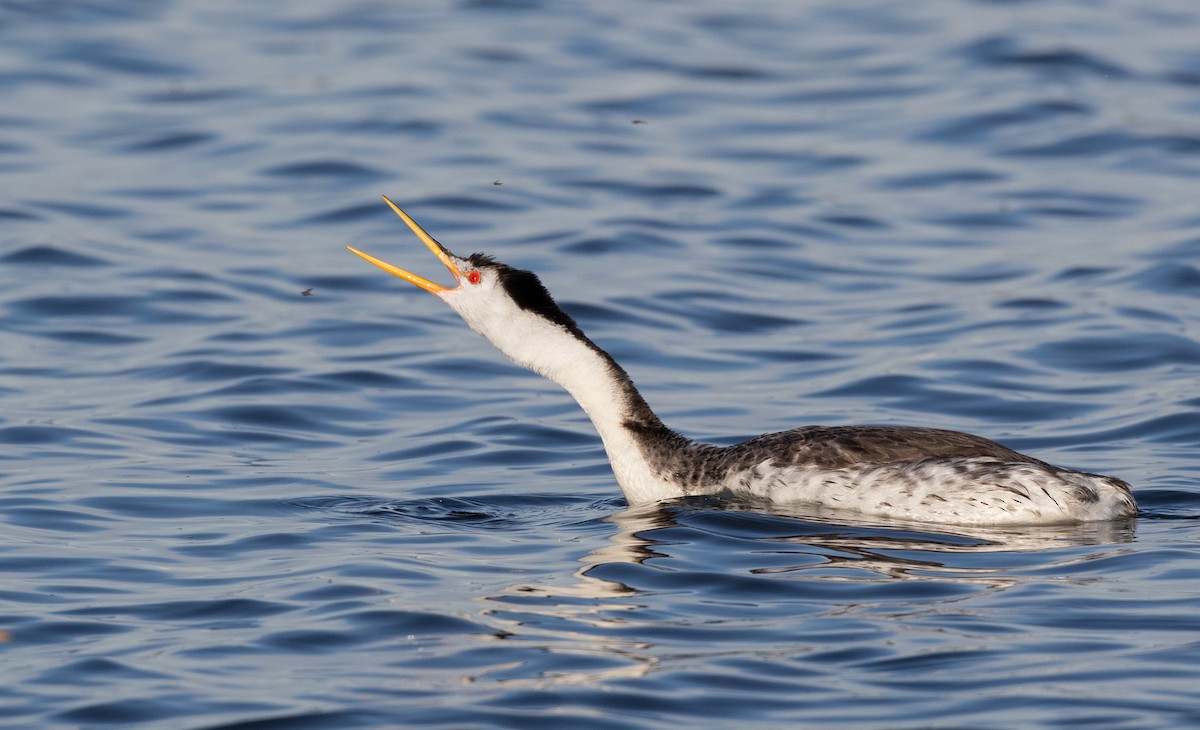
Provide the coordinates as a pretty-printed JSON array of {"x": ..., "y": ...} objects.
[{"x": 911, "y": 473}]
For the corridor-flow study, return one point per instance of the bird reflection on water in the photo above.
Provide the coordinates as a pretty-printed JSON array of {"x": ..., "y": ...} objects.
[
  {"x": 681, "y": 555},
  {"x": 889, "y": 549}
]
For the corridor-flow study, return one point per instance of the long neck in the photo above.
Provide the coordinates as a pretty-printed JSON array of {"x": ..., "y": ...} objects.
[{"x": 634, "y": 438}]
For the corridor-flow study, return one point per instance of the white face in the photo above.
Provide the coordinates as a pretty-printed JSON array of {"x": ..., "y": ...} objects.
[
  {"x": 528, "y": 339},
  {"x": 479, "y": 299}
]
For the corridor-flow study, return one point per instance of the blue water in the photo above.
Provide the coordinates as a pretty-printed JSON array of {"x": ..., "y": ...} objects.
[{"x": 249, "y": 481}]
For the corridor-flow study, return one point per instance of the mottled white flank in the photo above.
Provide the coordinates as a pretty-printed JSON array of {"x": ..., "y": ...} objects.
[
  {"x": 909, "y": 473},
  {"x": 962, "y": 491}
]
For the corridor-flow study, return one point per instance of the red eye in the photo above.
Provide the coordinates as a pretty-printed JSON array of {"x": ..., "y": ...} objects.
[{"x": 473, "y": 277}]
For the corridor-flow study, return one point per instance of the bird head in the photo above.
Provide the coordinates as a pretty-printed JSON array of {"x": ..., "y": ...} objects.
[{"x": 506, "y": 305}]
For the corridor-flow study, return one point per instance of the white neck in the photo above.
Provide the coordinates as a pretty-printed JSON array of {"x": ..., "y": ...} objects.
[{"x": 599, "y": 386}]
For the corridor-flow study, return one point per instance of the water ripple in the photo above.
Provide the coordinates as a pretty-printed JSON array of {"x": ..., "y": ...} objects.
[
  {"x": 1005, "y": 50},
  {"x": 51, "y": 256}
]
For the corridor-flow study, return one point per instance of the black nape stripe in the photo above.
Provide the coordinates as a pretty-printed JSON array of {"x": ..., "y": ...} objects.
[{"x": 527, "y": 290}]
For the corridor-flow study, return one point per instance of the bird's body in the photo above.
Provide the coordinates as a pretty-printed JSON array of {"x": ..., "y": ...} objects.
[{"x": 920, "y": 474}]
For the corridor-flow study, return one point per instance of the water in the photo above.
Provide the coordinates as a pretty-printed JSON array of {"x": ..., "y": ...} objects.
[{"x": 227, "y": 503}]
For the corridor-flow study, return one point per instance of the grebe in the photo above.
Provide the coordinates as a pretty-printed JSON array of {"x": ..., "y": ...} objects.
[{"x": 921, "y": 474}]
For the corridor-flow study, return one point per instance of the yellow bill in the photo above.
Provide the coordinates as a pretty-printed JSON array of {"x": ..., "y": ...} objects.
[{"x": 438, "y": 250}]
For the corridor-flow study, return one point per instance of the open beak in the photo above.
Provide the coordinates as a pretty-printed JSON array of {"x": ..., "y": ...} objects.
[{"x": 438, "y": 250}]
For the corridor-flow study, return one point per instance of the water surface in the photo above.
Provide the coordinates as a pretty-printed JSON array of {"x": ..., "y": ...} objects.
[{"x": 247, "y": 480}]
